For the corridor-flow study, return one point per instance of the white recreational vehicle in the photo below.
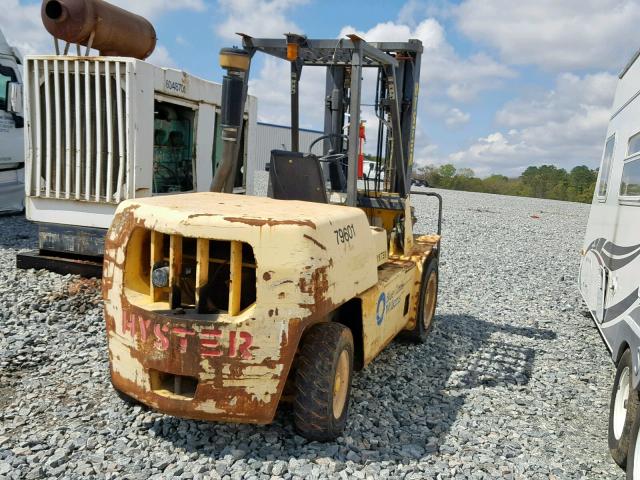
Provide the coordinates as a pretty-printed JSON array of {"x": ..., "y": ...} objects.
[
  {"x": 100, "y": 130},
  {"x": 609, "y": 277},
  {"x": 11, "y": 129}
]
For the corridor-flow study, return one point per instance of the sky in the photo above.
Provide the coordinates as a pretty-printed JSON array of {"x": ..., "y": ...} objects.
[{"x": 503, "y": 85}]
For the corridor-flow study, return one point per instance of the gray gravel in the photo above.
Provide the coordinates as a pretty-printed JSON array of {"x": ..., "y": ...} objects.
[{"x": 513, "y": 383}]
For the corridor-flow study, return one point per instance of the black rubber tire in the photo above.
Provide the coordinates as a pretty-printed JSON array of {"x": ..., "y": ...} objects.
[
  {"x": 619, "y": 448},
  {"x": 420, "y": 332},
  {"x": 633, "y": 440},
  {"x": 317, "y": 363}
]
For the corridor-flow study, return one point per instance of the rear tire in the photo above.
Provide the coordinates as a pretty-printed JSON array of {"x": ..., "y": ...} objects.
[
  {"x": 323, "y": 381},
  {"x": 633, "y": 457},
  {"x": 427, "y": 305},
  {"x": 622, "y": 411}
]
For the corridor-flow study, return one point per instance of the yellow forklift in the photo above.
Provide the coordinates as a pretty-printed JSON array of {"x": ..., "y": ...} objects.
[{"x": 219, "y": 306}]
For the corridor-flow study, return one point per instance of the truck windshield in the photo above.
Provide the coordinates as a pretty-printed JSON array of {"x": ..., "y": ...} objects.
[{"x": 6, "y": 75}]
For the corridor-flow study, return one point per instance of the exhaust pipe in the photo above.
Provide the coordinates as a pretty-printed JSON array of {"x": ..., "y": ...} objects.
[
  {"x": 98, "y": 24},
  {"x": 234, "y": 93}
]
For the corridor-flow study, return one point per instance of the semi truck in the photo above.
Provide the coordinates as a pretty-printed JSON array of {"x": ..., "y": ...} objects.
[{"x": 11, "y": 129}]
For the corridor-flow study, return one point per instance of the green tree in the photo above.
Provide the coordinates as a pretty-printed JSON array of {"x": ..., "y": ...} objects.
[
  {"x": 446, "y": 172},
  {"x": 546, "y": 181},
  {"x": 466, "y": 172},
  {"x": 581, "y": 183}
]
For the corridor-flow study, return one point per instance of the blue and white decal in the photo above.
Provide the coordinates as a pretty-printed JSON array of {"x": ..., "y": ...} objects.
[{"x": 380, "y": 308}]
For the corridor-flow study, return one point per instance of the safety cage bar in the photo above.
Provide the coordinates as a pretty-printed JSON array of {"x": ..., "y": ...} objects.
[{"x": 210, "y": 276}]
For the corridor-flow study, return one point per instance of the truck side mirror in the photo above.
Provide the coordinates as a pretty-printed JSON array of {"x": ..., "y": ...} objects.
[{"x": 14, "y": 98}]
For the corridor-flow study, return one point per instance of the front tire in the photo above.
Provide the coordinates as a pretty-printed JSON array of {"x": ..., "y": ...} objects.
[
  {"x": 323, "y": 381},
  {"x": 633, "y": 458},
  {"x": 427, "y": 305},
  {"x": 622, "y": 411}
]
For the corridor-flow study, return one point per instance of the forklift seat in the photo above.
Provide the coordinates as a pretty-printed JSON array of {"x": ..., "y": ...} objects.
[
  {"x": 337, "y": 176},
  {"x": 296, "y": 176}
]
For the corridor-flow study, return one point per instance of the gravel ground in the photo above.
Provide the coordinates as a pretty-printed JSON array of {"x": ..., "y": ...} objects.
[{"x": 513, "y": 383}]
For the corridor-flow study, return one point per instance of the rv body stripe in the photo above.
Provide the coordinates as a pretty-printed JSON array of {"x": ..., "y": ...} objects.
[
  {"x": 622, "y": 306},
  {"x": 618, "y": 250},
  {"x": 617, "y": 263},
  {"x": 607, "y": 250}
]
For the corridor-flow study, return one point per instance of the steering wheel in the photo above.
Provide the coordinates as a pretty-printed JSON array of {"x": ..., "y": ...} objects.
[
  {"x": 326, "y": 137},
  {"x": 333, "y": 157}
]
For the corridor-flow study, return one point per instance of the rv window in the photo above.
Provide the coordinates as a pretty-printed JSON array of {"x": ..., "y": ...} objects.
[
  {"x": 6, "y": 75},
  {"x": 630, "y": 186},
  {"x": 634, "y": 145},
  {"x": 606, "y": 166},
  {"x": 173, "y": 152}
]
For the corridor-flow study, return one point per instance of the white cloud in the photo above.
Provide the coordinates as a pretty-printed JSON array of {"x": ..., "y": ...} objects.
[
  {"x": 443, "y": 70},
  {"x": 23, "y": 28},
  {"x": 271, "y": 85},
  {"x": 161, "y": 57},
  {"x": 556, "y": 35},
  {"x": 151, "y": 9},
  {"x": 564, "y": 126},
  {"x": 414, "y": 11},
  {"x": 258, "y": 18},
  {"x": 455, "y": 117},
  {"x": 445, "y": 76},
  {"x": 183, "y": 42}
]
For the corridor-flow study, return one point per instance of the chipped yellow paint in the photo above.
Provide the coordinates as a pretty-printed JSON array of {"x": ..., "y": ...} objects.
[
  {"x": 257, "y": 382},
  {"x": 310, "y": 259},
  {"x": 130, "y": 367}
]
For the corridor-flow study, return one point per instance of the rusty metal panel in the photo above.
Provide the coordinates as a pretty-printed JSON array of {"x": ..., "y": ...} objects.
[
  {"x": 100, "y": 25},
  {"x": 239, "y": 362},
  {"x": 86, "y": 241}
]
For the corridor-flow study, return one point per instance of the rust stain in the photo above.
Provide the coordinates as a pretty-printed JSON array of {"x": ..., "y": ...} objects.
[
  {"x": 315, "y": 241},
  {"x": 317, "y": 287},
  {"x": 222, "y": 393},
  {"x": 231, "y": 386},
  {"x": 260, "y": 222}
]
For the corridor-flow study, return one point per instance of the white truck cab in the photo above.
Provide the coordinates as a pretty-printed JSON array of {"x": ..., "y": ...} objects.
[{"x": 11, "y": 129}]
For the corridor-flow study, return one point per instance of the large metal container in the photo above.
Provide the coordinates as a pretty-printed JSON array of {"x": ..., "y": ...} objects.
[{"x": 115, "y": 31}]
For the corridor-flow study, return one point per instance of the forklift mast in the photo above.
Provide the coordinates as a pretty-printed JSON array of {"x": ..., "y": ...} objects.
[{"x": 395, "y": 105}]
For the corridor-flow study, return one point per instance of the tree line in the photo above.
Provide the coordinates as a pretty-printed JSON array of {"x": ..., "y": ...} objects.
[{"x": 546, "y": 181}]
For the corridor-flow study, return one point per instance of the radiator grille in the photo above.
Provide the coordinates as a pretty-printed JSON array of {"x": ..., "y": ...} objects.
[
  {"x": 78, "y": 141},
  {"x": 202, "y": 275}
]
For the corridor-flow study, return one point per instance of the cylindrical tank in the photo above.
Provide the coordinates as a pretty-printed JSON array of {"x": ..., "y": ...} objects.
[{"x": 116, "y": 31}]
